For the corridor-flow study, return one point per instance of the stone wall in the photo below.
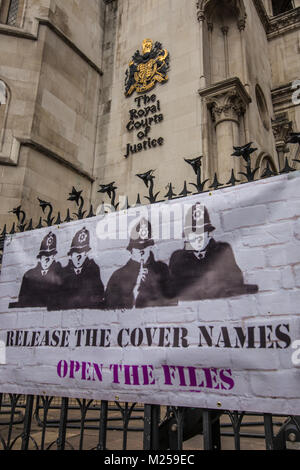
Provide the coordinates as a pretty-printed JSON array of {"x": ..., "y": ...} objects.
[
  {"x": 64, "y": 66},
  {"x": 51, "y": 68},
  {"x": 188, "y": 128}
]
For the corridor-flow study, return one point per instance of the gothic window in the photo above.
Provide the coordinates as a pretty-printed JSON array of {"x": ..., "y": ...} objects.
[
  {"x": 281, "y": 6},
  {"x": 262, "y": 107},
  {"x": 3, "y": 95},
  {"x": 11, "y": 12}
]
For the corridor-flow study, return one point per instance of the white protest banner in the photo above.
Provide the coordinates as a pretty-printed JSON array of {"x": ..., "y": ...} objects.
[{"x": 191, "y": 302}]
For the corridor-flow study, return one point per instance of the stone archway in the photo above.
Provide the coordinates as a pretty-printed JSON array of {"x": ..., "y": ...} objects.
[
  {"x": 223, "y": 23},
  {"x": 206, "y": 9},
  {"x": 265, "y": 161}
]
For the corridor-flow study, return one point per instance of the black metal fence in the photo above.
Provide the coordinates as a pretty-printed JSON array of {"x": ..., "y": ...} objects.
[{"x": 48, "y": 423}]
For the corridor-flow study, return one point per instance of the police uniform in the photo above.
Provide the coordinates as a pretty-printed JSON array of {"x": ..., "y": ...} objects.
[
  {"x": 210, "y": 274},
  {"x": 154, "y": 290},
  {"x": 81, "y": 287},
  {"x": 40, "y": 287}
]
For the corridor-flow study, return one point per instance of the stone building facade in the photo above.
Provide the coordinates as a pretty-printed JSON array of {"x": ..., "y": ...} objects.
[{"x": 65, "y": 120}]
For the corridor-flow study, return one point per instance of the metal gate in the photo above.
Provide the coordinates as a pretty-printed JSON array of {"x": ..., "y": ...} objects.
[{"x": 49, "y": 423}]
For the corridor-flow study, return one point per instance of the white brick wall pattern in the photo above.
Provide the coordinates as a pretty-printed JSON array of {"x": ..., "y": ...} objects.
[{"x": 206, "y": 318}]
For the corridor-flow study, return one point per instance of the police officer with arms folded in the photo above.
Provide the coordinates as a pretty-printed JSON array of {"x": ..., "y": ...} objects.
[
  {"x": 81, "y": 281},
  {"x": 41, "y": 284},
  {"x": 205, "y": 268}
]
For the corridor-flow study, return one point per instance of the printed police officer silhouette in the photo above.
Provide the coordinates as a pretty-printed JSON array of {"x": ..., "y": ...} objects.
[
  {"x": 205, "y": 268},
  {"x": 81, "y": 285},
  {"x": 41, "y": 284},
  {"x": 143, "y": 281}
]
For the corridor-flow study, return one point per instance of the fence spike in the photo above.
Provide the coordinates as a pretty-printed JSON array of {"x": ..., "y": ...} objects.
[
  {"x": 216, "y": 183},
  {"x": 40, "y": 224},
  {"x": 185, "y": 192},
  {"x": 29, "y": 226},
  {"x": 233, "y": 180},
  {"x": 58, "y": 220},
  {"x": 4, "y": 231},
  {"x": 170, "y": 194},
  {"x": 13, "y": 229},
  {"x": 287, "y": 168},
  {"x": 68, "y": 218},
  {"x": 267, "y": 173},
  {"x": 91, "y": 213}
]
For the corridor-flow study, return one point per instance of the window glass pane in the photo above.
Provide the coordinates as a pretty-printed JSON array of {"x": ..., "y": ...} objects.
[
  {"x": 13, "y": 12},
  {"x": 280, "y": 6}
]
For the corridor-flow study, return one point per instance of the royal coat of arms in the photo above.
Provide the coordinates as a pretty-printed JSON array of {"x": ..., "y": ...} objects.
[{"x": 148, "y": 68}]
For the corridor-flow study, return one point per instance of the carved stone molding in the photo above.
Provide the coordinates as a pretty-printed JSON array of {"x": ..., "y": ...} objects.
[
  {"x": 263, "y": 15},
  {"x": 274, "y": 26},
  {"x": 226, "y": 107},
  {"x": 282, "y": 128},
  {"x": 285, "y": 22},
  {"x": 205, "y": 10},
  {"x": 227, "y": 100},
  {"x": 282, "y": 97}
]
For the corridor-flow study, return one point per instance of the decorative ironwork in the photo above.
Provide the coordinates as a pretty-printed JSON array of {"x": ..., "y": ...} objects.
[
  {"x": 170, "y": 194},
  {"x": 148, "y": 179},
  {"x": 245, "y": 152},
  {"x": 110, "y": 190},
  {"x": 196, "y": 164},
  {"x": 294, "y": 138},
  {"x": 287, "y": 168},
  {"x": 21, "y": 216},
  {"x": 76, "y": 196},
  {"x": 44, "y": 205}
]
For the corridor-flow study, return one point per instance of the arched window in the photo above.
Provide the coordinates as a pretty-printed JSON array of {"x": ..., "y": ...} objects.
[
  {"x": 3, "y": 94},
  {"x": 262, "y": 107},
  {"x": 11, "y": 12},
  {"x": 281, "y": 6}
]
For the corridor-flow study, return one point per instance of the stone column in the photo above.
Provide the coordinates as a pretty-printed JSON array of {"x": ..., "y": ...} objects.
[
  {"x": 225, "y": 30},
  {"x": 282, "y": 128},
  {"x": 201, "y": 19},
  {"x": 210, "y": 27},
  {"x": 226, "y": 110},
  {"x": 227, "y": 102},
  {"x": 245, "y": 78}
]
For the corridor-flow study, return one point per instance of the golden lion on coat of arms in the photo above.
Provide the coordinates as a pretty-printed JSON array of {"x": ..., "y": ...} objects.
[{"x": 146, "y": 69}]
